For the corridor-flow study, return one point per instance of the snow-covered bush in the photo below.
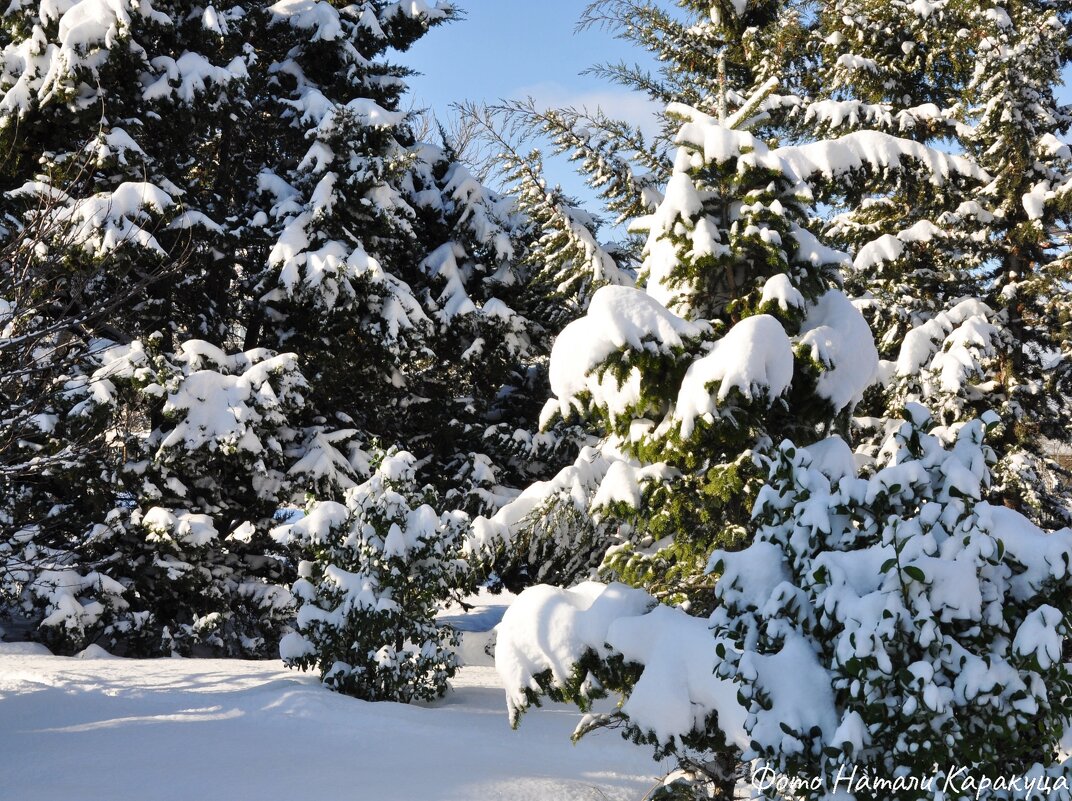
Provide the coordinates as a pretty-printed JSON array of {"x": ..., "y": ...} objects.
[
  {"x": 926, "y": 626},
  {"x": 374, "y": 573},
  {"x": 893, "y": 623}
]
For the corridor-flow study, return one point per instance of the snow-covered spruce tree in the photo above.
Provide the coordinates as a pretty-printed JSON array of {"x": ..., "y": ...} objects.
[
  {"x": 80, "y": 562},
  {"x": 769, "y": 68},
  {"x": 399, "y": 279},
  {"x": 979, "y": 79},
  {"x": 892, "y": 623},
  {"x": 48, "y": 348},
  {"x": 739, "y": 336},
  {"x": 373, "y": 574},
  {"x": 1020, "y": 58},
  {"x": 938, "y": 620},
  {"x": 262, "y": 147},
  {"x": 115, "y": 118},
  {"x": 722, "y": 281},
  {"x": 182, "y": 561},
  {"x": 925, "y": 235},
  {"x": 549, "y": 533}
]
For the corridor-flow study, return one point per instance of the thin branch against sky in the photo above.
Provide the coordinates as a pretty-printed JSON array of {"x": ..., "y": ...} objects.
[
  {"x": 514, "y": 49},
  {"x": 508, "y": 49}
]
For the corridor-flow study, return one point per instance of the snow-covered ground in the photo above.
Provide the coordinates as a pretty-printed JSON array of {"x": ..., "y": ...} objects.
[{"x": 108, "y": 729}]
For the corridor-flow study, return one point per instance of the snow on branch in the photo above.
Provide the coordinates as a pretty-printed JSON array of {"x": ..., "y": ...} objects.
[{"x": 875, "y": 151}]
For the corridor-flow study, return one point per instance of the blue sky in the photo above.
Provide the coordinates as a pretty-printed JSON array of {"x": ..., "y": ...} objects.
[{"x": 513, "y": 49}]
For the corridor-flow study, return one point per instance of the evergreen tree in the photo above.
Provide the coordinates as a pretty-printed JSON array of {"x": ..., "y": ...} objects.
[
  {"x": 380, "y": 260},
  {"x": 740, "y": 334},
  {"x": 728, "y": 236},
  {"x": 974, "y": 80},
  {"x": 374, "y": 573},
  {"x": 112, "y": 120},
  {"x": 315, "y": 281},
  {"x": 1019, "y": 62},
  {"x": 979, "y": 80}
]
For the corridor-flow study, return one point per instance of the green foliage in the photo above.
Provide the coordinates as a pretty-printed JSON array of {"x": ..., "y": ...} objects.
[{"x": 690, "y": 516}]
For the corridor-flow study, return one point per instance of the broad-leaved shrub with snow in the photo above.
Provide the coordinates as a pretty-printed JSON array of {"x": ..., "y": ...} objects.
[{"x": 924, "y": 627}]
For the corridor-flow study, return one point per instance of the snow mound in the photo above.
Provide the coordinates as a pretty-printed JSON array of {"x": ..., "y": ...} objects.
[
  {"x": 755, "y": 358},
  {"x": 94, "y": 651},
  {"x": 618, "y": 317}
]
